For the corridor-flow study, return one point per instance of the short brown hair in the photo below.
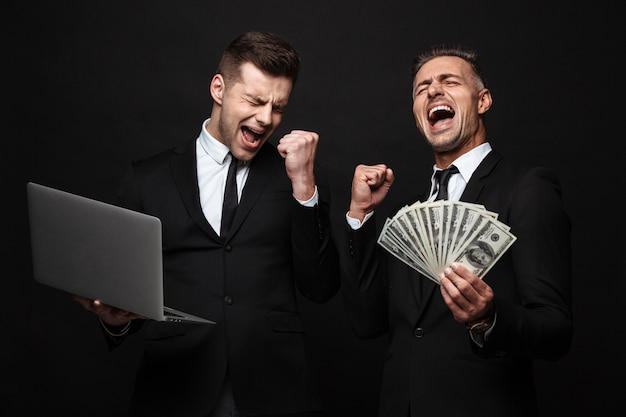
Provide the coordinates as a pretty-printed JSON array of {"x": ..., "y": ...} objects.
[
  {"x": 467, "y": 54},
  {"x": 267, "y": 51}
]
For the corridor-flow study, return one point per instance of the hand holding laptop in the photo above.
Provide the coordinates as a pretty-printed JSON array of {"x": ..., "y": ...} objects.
[{"x": 111, "y": 316}]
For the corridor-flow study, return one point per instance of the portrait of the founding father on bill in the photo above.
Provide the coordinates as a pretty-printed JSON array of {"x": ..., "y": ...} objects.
[{"x": 479, "y": 255}]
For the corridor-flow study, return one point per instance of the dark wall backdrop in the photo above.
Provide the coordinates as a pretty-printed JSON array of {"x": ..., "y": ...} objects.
[{"x": 90, "y": 85}]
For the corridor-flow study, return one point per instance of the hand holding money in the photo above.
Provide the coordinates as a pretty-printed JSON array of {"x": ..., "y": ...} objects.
[{"x": 430, "y": 236}]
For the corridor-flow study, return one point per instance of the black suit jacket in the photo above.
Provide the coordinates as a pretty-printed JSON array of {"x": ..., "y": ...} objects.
[
  {"x": 247, "y": 284},
  {"x": 431, "y": 362}
]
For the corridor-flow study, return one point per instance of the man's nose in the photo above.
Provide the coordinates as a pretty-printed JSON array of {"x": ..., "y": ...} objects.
[
  {"x": 435, "y": 88},
  {"x": 264, "y": 114}
]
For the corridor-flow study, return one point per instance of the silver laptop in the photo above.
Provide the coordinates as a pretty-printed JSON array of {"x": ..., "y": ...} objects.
[{"x": 98, "y": 250}]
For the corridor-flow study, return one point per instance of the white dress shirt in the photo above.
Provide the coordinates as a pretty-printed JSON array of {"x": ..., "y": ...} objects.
[
  {"x": 213, "y": 159},
  {"x": 467, "y": 164}
]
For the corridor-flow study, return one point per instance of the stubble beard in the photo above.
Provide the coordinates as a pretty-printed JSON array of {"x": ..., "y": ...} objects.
[{"x": 444, "y": 143}]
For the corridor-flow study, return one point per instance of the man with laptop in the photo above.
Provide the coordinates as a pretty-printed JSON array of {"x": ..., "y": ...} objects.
[
  {"x": 253, "y": 359},
  {"x": 102, "y": 254}
]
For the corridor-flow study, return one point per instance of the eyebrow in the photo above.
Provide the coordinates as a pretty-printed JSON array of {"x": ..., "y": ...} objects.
[
  {"x": 439, "y": 77},
  {"x": 258, "y": 99}
]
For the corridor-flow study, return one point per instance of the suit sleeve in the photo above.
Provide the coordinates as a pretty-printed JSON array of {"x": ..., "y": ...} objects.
[
  {"x": 540, "y": 324},
  {"x": 363, "y": 281},
  {"x": 316, "y": 261}
]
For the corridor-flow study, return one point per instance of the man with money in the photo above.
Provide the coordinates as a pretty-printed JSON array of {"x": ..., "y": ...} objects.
[{"x": 464, "y": 341}]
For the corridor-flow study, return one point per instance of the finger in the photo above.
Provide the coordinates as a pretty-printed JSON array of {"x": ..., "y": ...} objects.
[
  {"x": 462, "y": 271},
  {"x": 480, "y": 288},
  {"x": 453, "y": 290},
  {"x": 84, "y": 302},
  {"x": 459, "y": 281},
  {"x": 302, "y": 135},
  {"x": 388, "y": 178},
  {"x": 97, "y": 305},
  {"x": 450, "y": 296},
  {"x": 465, "y": 299},
  {"x": 462, "y": 310},
  {"x": 302, "y": 148},
  {"x": 374, "y": 176},
  {"x": 298, "y": 138},
  {"x": 458, "y": 289}
]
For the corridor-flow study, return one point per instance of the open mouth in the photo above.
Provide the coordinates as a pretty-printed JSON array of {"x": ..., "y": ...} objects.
[
  {"x": 250, "y": 135},
  {"x": 440, "y": 112}
]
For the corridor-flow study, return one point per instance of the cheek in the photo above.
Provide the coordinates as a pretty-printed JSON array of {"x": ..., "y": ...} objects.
[
  {"x": 416, "y": 111},
  {"x": 419, "y": 117},
  {"x": 277, "y": 118}
]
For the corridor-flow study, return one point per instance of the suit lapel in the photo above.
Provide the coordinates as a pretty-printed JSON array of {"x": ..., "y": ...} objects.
[
  {"x": 425, "y": 290},
  {"x": 262, "y": 169},
  {"x": 184, "y": 172},
  {"x": 475, "y": 185}
]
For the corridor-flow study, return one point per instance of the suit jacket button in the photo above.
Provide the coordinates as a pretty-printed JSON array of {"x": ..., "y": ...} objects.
[
  {"x": 419, "y": 332},
  {"x": 228, "y": 248},
  {"x": 228, "y": 300}
]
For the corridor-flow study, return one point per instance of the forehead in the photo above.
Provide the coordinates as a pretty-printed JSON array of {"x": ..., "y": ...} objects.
[
  {"x": 448, "y": 65},
  {"x": 257, "y": 81}
]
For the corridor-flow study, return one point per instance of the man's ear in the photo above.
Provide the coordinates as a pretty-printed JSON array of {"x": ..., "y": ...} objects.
[
  {"x": 217, "y": 88},
  {"x": 484, "y": 101}
]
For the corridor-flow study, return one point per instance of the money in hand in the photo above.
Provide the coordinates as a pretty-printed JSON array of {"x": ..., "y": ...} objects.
[{"x": 429, "y": 236}]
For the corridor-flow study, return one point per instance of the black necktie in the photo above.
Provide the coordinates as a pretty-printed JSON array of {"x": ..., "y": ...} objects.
[
  {"x": 442, "y": 178},
  {"x": 230, "y": 198}
]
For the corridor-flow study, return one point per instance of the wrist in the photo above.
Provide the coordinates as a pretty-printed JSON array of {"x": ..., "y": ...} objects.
[
  {"x": 481, "y": 324},
  {"x": 303, "y": 187},
  {"x": 359, "y": 214},
  {"x": 115, "y": 331}
]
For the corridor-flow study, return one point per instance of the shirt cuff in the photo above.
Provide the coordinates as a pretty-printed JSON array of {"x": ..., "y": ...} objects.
[
  {"x": 311, "y": 202},
  {"x": 121, "y": 332},
  {"x": 356, "y": 224}
]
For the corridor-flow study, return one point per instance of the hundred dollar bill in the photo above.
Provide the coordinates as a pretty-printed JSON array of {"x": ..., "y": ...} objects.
[
  {"x": 470, "y": 221},
  {"x": 431, "y": 222},
  {"x": 395, "y": 247},
  {"x": 479, "y": 208},
  {"x": 406, "y": 238},
  {"x": 406, "y": 222},
  {"x": 429, "y": 236},
  {"x": 452, "y": 222},
  {"x": 485, "y": 247},
  {"x": 409, "y": 220}
]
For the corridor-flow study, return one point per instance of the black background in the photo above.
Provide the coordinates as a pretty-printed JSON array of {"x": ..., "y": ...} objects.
[{"x": 93, "y": 84}]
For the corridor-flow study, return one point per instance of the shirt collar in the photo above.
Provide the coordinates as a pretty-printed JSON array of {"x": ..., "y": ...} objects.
[
  {"x": 468, "y": 162},
  {"x": 214, "y": 148}
]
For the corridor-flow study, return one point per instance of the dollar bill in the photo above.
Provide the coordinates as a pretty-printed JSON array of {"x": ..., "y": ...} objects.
[
  {"x": 429, "y": 236},
  {"x": 485, "y": 247}
]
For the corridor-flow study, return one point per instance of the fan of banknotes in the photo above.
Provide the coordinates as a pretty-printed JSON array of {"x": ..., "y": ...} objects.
[{"x": 429, "y": 236}]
